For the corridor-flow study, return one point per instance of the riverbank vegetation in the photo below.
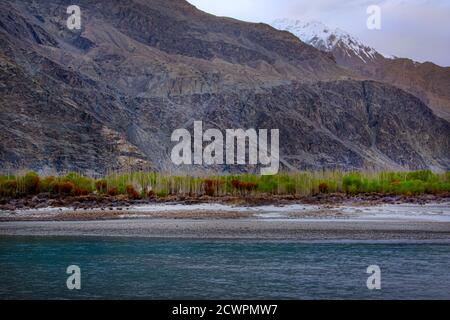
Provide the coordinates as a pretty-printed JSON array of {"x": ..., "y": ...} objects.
[{"x": 143, "y": 185}]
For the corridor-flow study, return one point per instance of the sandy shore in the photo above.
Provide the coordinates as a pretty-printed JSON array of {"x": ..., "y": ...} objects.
[
  {"x": 234, "y": 229},
  {"x": 218, "y": 221}
]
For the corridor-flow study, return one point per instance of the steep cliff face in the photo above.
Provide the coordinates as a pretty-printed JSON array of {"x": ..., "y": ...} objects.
[
  {"x": 109, "y": 96},
  {"x": 429, "y": 82},
  {"x": 339, "y": 124}
]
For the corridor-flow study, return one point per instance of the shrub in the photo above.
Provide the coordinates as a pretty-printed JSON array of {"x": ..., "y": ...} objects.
[
  {"x": 433, "y": 188},
  {"x": 444, "y": 187},
  {"x": 113, "y": 192},
  {"x": 8, "y": 188},
  {"x": 290, "y": 188},
  {"x": 268, "y": 185},
  {"x": 162, "y": 193},
  {"x": 65, "y": 188},
  {"x": 211, "y": 186},
  {"x": 131, "y": 192},
  {"x": 410, "y": 188},
  {"x": 235, "y": 183},
  {"x": 208, "y": 186},
  {"x": 79, "y": 181},
  {"x": 101, "y": 186},
  {"x": 423, "y": 175},
  {"x": 48, "y": 184},
  {"x": 305, "y": 183},
  {"x": 352, "y": 183},
  {"x": 323, "y": 187},
  {"x": 30, "y": 183},
  {"x": 80, "y": 192},
  {"x": 374, "y": 186},
  {"x": 250, "y": 186},
  {"x": 244, "y": 187}
]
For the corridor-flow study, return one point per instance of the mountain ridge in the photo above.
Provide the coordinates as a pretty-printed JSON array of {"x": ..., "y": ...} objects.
[
  {"x": 327, "y": 39},
  {"x": 428, "y": 81},
  {"x": 108, "y": 97}
]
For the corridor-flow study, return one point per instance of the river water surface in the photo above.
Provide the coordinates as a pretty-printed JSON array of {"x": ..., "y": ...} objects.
[{"x": 131, "y": 268}]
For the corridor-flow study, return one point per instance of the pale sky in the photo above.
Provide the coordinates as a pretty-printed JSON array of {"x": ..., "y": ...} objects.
[{"x": 416, "y": 29}]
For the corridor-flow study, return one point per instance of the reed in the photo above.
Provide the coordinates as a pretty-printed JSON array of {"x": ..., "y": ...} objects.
[{"x": 149, "y": 184}]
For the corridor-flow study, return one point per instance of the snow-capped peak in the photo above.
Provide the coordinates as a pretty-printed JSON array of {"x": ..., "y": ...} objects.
[{"x": 327, "y": 39}]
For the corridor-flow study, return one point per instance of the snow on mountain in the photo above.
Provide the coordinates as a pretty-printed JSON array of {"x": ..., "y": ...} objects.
[{"x": 327, "y": 39}]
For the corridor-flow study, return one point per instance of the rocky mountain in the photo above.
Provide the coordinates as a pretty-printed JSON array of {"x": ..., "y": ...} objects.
[
  {"x": 343, "y": 45},
  {"x": 108, "y": 96},
  {"x": 428, "y": 81}
]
